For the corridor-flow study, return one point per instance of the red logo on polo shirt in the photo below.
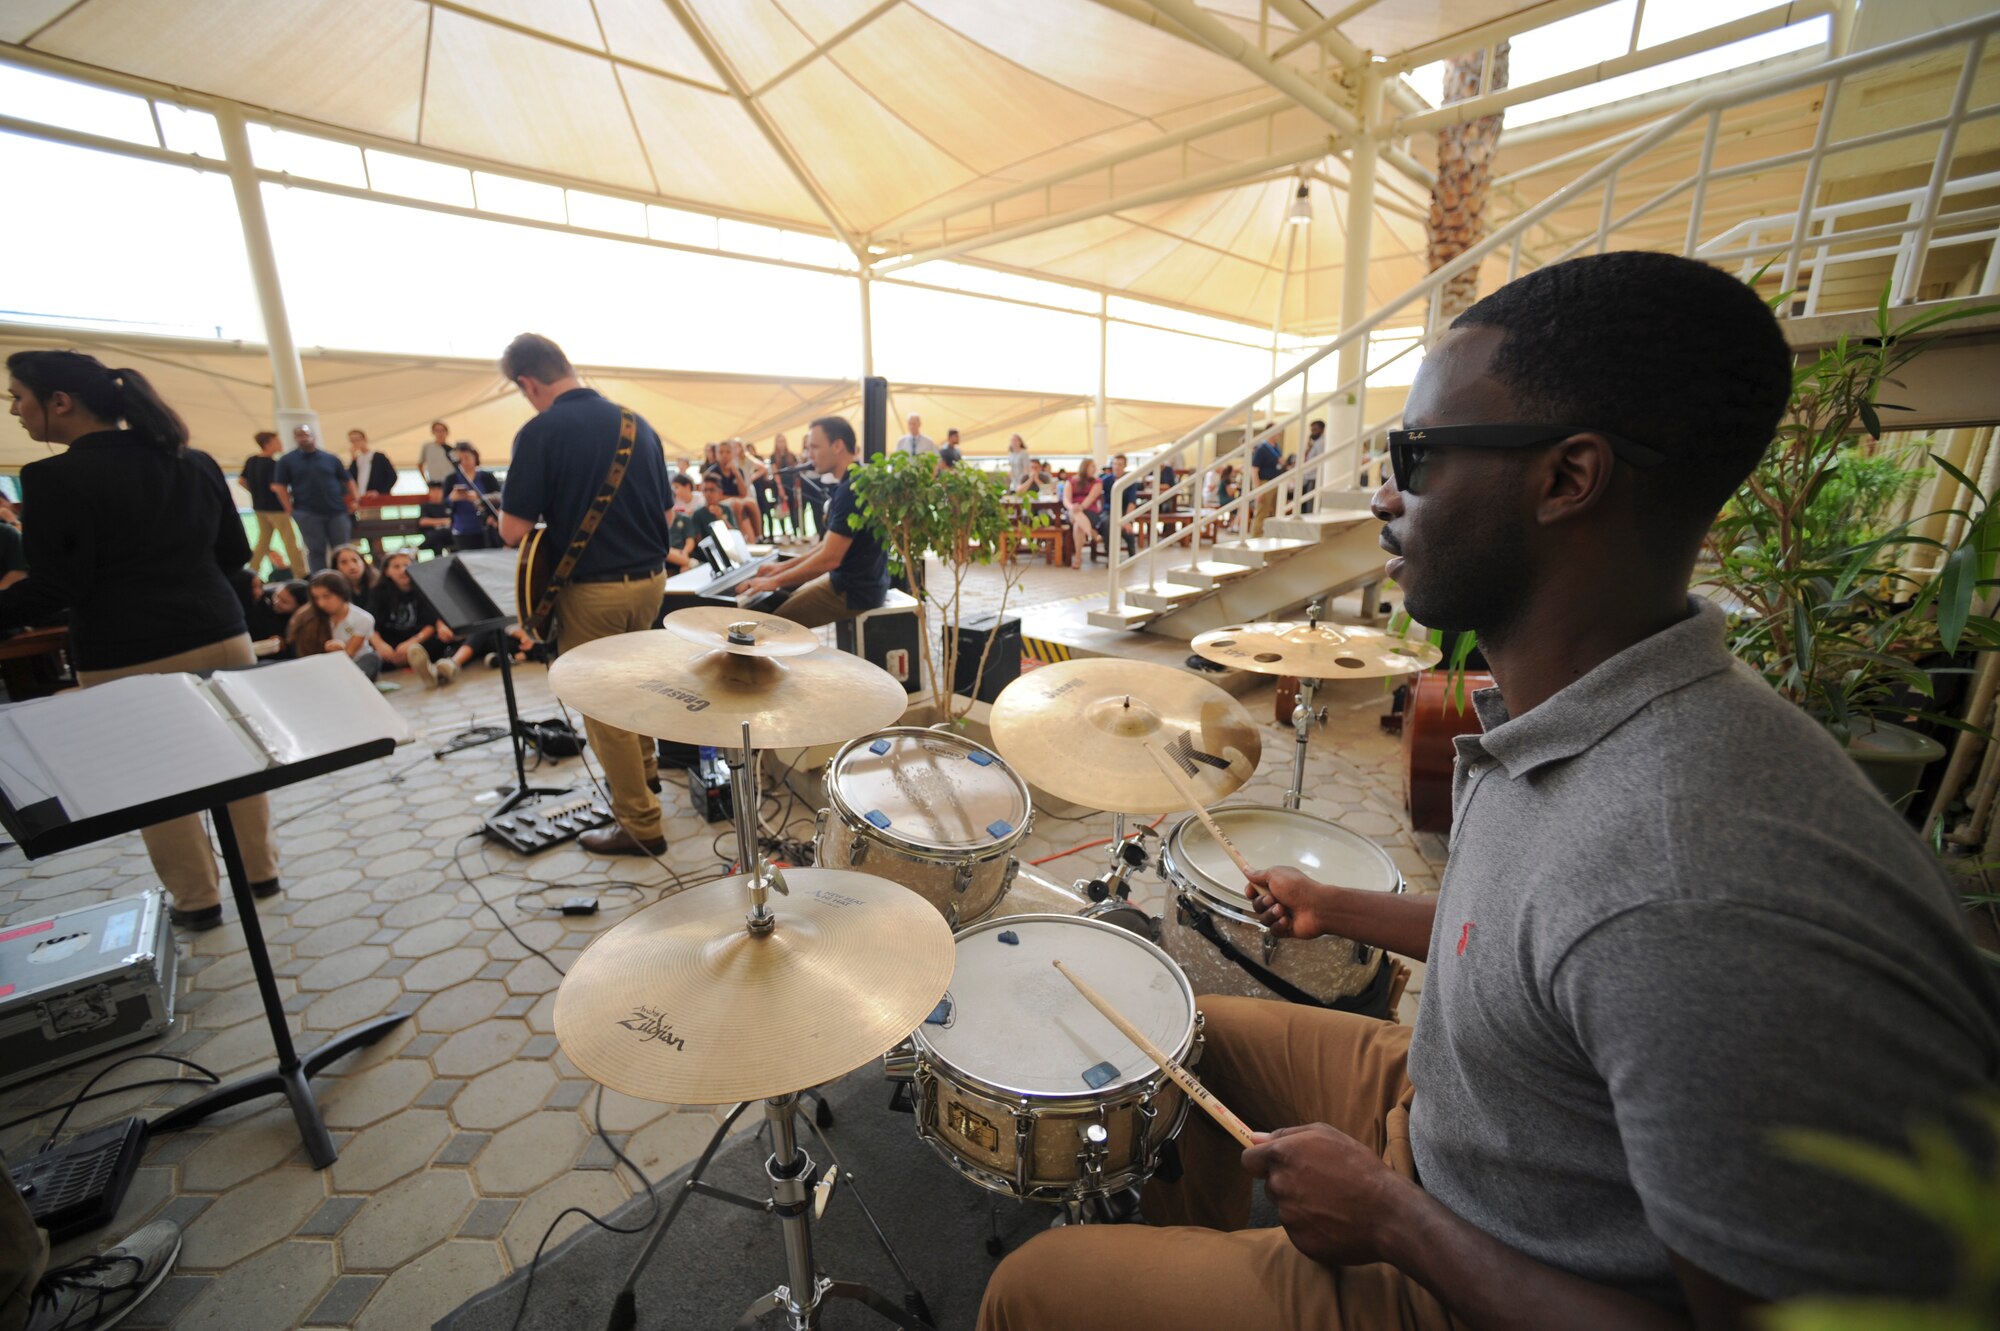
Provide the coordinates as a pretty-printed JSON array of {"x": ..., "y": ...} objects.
[{"x": 1464, "y": 937}]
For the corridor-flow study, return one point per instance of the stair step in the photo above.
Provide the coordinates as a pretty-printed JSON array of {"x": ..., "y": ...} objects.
[
  {"x": 1126, "y": 617},
  {"x": 1209, "y": 573},
  {"x": 1165, "y": 596},
  {"x": 1255, "y": 551},
  {"x": 1314, "y": 526}
]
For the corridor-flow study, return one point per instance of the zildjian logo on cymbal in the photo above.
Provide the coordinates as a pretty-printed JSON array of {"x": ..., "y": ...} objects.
[
  {"x": 653, "y": 1025},
  {"x": 1185, "y": 755}
]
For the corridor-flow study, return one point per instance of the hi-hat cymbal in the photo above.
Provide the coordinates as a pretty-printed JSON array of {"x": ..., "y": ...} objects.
[
  {"x": 1079, "y": 731},
  {"x": 661, "y": 684},
  {"x": 681, "y": 1004},
  {"x": 1316, "y": 651},
  {"x": 741, "y": 632}
]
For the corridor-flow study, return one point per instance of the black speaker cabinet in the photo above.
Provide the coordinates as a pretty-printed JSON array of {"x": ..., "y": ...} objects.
[
  {"x": 874, "y": 417},
  {"x": 1003, "y": 662}
]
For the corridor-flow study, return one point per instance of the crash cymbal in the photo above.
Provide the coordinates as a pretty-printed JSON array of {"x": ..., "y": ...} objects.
[
  {"x": 741, "y": 632},
  {"x": 681, "y": 1004},
  {"x": 1079, "y": 731},
  {"x": 659, "y": 683},
  {"x": 1316, "y": 651}
]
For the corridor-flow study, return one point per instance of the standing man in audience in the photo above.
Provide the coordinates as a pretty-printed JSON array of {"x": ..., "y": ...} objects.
[
  {"x": 1309, "y": 462},
  {"x": 916, "y": 441},
  {"x": 949, "y": 454},
  {"x": 434, "y": 459},
  {"x": 318, "y": 494},
  {"x": 372, "y": 472},
  {"x": 562, "y": 461},
  {"x": 273, "y": 522},
  {"x": 1265, "y": 463},
  {"x": 848, "y": 570}
]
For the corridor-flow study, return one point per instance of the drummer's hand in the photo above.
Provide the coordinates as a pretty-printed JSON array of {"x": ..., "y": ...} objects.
[
  {"x": 1331, "y": 1191},
  {"x": 1289, "y": 903}
]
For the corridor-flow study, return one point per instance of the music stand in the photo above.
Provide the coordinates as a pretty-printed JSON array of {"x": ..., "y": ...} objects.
[
  {"x": 449, "y": 585},
  {"x": 43, "y": 828}
]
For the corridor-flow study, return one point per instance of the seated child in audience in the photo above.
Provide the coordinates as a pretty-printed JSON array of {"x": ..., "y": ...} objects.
[
  {"x": 434, "y": 516},
  {"x": 331, "y": 622},
  {"x": 363, "y": 577},
  {"x": 266, "y": 626},
  {"x": 407, "y": 628},
  {"x": 282, "y": 599}
]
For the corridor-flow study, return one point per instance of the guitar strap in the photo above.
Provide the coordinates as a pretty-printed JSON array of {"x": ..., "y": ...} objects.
[{"x": 621, "y": 458}]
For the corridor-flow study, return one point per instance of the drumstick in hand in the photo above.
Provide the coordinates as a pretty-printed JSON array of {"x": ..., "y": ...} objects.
[
  {"x": 1193, "y": 798},
  {"x": 1200, "y": 1094}
]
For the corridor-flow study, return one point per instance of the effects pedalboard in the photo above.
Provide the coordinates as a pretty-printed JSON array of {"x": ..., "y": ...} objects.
[{"x": 543, "y": 820}]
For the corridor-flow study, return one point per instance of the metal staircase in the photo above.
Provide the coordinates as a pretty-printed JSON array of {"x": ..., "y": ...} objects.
[{"x": 1196, "y": 568}]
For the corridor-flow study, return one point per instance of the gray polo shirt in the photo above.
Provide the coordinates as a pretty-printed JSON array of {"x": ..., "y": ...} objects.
[{"x": 1677, "y": 919}]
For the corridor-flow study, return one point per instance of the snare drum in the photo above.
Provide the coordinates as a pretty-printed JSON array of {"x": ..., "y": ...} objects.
[
  {"x": 1210, "y": 900},
  {"x": 931, "y": 810},
  {"x": 1023, "y": 1087}
]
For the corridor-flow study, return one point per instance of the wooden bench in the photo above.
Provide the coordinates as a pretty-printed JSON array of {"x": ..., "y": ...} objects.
[{"x": 1048, "y": 539}]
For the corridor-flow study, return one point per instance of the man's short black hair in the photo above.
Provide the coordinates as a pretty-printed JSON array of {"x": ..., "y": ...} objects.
[
  {"x": 1667, "y": 351},
  {"x": 535, "y": 356},
  {"x": 681, "y": 478},
  {"x": 838, "y": 430}
]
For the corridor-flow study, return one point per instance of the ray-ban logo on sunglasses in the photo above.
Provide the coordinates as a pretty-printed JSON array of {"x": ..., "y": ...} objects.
[{"x": 1185, "y": 755}]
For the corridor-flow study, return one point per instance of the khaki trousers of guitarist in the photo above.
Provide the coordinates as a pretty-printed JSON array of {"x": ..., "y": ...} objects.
[
  {"x": 585, "y": 612},
  {"x": 181, "y": 853},
  {"x": 1275, "y": 1064}
]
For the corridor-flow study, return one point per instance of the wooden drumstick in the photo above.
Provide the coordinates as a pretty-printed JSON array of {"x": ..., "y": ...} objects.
[
  {"x": 1200, "y": 1094},
  {"x": 1193, "y": 798}
]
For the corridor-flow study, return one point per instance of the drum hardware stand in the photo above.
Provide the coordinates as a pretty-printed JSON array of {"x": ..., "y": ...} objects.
[
  {"x": 1128, "y": 856},
  {"x": 800, "y": 1194},
  {"x": 1304, "y": 718}
]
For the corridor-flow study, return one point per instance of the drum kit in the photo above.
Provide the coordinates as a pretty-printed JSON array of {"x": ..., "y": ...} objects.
[{"x": 918, "y": 937}]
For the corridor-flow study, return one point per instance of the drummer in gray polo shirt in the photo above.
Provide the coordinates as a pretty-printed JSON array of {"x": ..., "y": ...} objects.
[{"x": 1676, "y": 923}]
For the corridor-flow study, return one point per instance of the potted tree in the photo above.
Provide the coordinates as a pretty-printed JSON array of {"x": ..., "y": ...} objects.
[
  {"x": 960, "y": 515},
  {"x": 1838, "y": 605}
]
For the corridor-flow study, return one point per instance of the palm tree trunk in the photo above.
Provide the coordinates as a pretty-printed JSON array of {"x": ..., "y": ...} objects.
[{"x": 1464, "y": 174}]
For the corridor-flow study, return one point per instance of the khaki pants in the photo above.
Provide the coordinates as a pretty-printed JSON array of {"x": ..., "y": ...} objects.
[
  {"x": 24, "y": 1255},
  {"x": 585, "y": 612},
  {"x": 1200, "y": 1275},
  {"x": 182, "y": 855},
  {"x": 816, "y": 604},
  {"x": 1263, "y": 506},
  {"x": 278, "y": 525}
]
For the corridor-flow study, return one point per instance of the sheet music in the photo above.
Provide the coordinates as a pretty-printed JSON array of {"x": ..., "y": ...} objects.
[
  {"x": 110, "y": 747},
  {"x": 301, "y": 709}
]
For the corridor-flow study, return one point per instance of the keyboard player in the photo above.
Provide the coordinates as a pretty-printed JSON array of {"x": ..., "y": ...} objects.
[{"x": 847, "y": 570}]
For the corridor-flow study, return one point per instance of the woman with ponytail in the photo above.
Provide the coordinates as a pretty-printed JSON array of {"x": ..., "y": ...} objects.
[{"x": 124, "y": 498}]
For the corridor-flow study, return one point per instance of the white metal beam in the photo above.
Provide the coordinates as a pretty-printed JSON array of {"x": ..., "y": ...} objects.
[
  {"x": 1661, "y": 101},
  {"x": 867, "y": 18},
  {"x": 1227, "y": 42},
  {"x": 1478, "y": 38},
  {"x": 550, "y": 39},
  {"x": 288, "y": 376}
]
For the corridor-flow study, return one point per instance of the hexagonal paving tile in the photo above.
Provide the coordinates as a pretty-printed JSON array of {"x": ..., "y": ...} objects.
[
  {"x": 431, "y": 1286},
  {"x": 276, "y": 1288},
  {"x": 241, "y": 1150},
  {"x": 523, "y": 1157},
  {"x": 389, "y": 1150},
  {"x": 596, "y": 1191},
  {"x": 342, "y": 968},
  {"x": 395, "y": 1225},
  {"x": 425, "y": 939},
  {"x": 477, "y": 1048},
  {"x": 507, "y": 1093},
  {"x": 251, "y": 1217},
  {"x": 372, "y": 1094},
  {"x": 328, "y": 939},
  {"x": 445, "y": 969},
  {"x": 351, "y": 1004},
  {"x": 461, "y": 1005},
  {"x": 416, "y": 911}
]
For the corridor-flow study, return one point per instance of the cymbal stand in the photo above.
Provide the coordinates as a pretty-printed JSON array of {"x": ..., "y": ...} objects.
[
  {"x": 1128, "y": 856},
  {"x": 1304, "y": 718}
]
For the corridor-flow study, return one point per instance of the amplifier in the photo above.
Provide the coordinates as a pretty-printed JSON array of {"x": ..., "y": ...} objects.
[
  {"x": 88, "y": 980},
  {"x": 544, "y": 820},
  {"x": 708, "y": 786},
  {"x": 887, "y": 636},
  {"x": 1003, "y": 662}
]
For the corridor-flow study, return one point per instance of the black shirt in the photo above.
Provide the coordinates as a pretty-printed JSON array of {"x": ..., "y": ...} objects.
[
  {"x": 863, "y": 575},
  {"x": 13, "y": 552},
  {"x": 258, "y": 472},
  {"x": 559, "y": 464},
  {"x": 381, "y": 477},
  {"x": 399, "y": 615},
  {"x": 134, "y": 541}
]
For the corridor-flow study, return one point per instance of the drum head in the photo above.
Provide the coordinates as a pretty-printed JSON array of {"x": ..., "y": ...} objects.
[
  {"x": 1014, "y": 1023},
  {"x": 1324, "y": 851},
  {"x": 929, "y": 790}
]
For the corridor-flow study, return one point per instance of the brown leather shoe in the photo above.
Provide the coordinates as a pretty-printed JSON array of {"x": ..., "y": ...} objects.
[{"x": 615, "y": 840}]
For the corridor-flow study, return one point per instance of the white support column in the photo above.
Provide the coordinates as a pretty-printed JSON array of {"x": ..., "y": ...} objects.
[
  {"x": 867, "y": 328},
  {"x": 1100, "y": 429},
  {"x": 1347, "y": 421},
  {"x": 288, "y": 376}
]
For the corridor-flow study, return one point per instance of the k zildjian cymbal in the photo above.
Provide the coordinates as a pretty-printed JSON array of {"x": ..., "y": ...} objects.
[
  {"x": 741, "y": 632},
  {"x": 1079, "y": 731},
  {"x": 659, "y": 683},
  {"x": 681, "y": 1004},
  {"x": 1316, "y": 651}
]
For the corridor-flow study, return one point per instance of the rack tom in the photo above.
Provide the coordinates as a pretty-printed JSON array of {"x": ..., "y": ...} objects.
[
  {"x": 1023, "y": 1087},
  {"x": 933, "y": 811},
  {"x": 1212, "y": 931}
]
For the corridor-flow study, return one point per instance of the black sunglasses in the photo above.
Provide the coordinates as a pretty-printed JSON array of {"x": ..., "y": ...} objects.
[{"x": 1409, "y": 450}]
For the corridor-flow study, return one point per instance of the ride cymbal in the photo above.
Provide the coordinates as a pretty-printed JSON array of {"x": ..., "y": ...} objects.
[
  {"x": 1079, "y": 730},
  {"x": 741, "y": 632},
  {"x": 661, "y": 684},
  {"x": 681, "y": 1004},
  {"x": 1316, "y": 650}
]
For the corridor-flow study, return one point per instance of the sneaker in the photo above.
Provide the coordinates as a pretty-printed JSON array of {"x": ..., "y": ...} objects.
[
  {"x": 492, "y": 660},
  {"x": 96, "y": 1293},
  {"x": 196, "y": 921},
  {"x": 446, "y": 670},
  {"x": 420, "y": 664}
]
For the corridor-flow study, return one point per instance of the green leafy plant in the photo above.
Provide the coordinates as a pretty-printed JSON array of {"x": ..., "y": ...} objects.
[
  {"x": 1938, "y": 1179},
  {"x": 960, "y": 515},
  {"x": 1828, "y": 600}
]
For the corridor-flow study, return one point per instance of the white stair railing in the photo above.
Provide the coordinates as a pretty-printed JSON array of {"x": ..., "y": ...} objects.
[{"x": 1809, "y": 237}]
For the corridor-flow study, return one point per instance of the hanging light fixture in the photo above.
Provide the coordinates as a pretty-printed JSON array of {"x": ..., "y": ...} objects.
[{"x": 1301, "y": 211}]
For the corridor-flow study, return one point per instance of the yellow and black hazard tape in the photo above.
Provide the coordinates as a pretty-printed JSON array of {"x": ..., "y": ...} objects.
[{"x": 1048, "y": 653}]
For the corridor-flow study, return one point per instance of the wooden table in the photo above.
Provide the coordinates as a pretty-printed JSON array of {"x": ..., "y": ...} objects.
[{"x": 35, "y": 663}]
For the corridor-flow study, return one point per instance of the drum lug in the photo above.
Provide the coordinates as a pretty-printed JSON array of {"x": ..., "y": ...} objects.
[
  {"x": 951, "y": 915},
  {"x": 961, "y": 877},
  {"x": 1023, "y": 1129},
  {"x": 1090, "y": 1159},
  {"x": 857, "y": 851},
  {"x": 1007, "y": 878},
  {"x": 1270, "y": 945},
  {"x": 1361, "y": 954}
]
